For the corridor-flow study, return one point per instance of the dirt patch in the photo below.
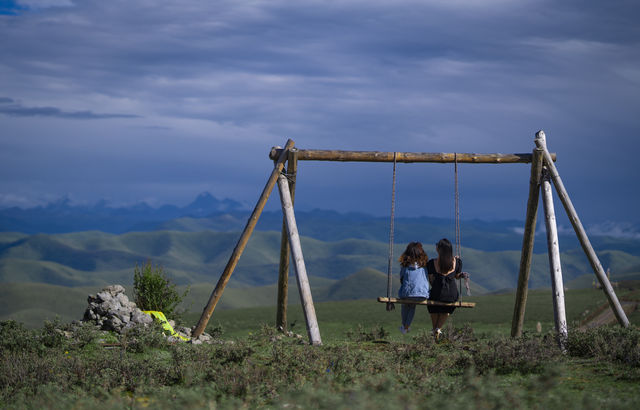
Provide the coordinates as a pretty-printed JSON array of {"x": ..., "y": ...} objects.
[{"x": 606, "y": 315}]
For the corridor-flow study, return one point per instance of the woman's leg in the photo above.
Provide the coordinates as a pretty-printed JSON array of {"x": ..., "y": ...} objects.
[
  {"x": 408, "y": 311},
  {"x": 442, "y": 318},
  {"x": 434, "y": 320},
  {"x": 403, "y": 313}
]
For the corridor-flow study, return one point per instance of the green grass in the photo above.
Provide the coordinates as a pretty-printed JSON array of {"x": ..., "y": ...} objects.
[
  {"x": 491, "y": 317},
  {"x": 361, "y": 369},
  {"x": 364, "y": 361},
  {"x": 34, "y": 303}
]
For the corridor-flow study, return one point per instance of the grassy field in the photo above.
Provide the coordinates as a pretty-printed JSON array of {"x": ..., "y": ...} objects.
[
  {"x": 32, "y": 304},
  {"x": 491, "y": 316},
  {"x": 364, "y": 361}
]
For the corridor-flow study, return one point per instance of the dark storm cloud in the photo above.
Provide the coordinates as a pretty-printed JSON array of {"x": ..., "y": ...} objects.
[
  {"x": 11, "y": 108},
  {"x": 225, "y": 76}
]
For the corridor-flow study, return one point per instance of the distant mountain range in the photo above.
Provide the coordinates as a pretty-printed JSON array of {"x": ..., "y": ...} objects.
[
  {"x": 207, "y": 212},
  {"x": 63, "y": 216}
]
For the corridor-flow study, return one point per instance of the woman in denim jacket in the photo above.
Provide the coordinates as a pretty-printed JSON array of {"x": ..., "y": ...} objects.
[{"x": 413, "y": 281}]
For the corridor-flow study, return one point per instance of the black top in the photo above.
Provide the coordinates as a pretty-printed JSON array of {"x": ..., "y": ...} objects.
[{"x": 443, "y": 287}]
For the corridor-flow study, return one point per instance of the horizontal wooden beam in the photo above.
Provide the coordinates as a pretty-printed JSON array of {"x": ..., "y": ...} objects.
[
  {"x": 379, "y": 156},
  {"x": 426, "y": 302}
]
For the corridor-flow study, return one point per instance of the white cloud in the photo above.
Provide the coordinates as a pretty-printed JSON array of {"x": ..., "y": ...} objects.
[
  {"x": 11, "y": 200},
  {"x": 629, "y": 73},
  {"x": 616, "y": 230},
  {"x": 563, "y": 48}
]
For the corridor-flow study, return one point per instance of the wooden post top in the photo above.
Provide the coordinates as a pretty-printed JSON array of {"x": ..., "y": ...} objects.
[{"x": 541, "y": 139}]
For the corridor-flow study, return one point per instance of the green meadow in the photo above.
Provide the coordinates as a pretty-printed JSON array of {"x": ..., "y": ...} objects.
[
  {"x": 491, "y": 316},
  {"x": 364, "y": 361}
]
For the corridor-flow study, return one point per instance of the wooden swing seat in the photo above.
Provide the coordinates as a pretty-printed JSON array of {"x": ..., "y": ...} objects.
[{"x": 382, "y": 299}]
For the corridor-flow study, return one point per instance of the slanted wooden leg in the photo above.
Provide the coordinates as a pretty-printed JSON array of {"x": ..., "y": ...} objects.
[
  {"x": 527, "y": 244},
  {"x": 301, "y": 271},
  {"x": 557, "y": 285}
]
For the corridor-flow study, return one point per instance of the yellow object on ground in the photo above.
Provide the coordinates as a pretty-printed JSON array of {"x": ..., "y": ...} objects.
[{"x": 165, "y": 323}]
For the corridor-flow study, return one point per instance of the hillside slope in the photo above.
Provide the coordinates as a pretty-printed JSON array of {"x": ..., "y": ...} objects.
[
  {"x": 97, "y": 258},
  {"x": 47, "y": 275}
]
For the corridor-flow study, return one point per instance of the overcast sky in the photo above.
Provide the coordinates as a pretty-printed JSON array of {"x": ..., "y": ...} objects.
[{"x": 157, "y": 100}]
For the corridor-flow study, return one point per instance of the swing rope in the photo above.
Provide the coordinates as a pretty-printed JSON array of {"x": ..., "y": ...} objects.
[
  {"x": 456, "y": 200},
  {"x": 390, "y": 306},
  {"x": 457, "y": 226},
  {"x": 457, "y": 206}
]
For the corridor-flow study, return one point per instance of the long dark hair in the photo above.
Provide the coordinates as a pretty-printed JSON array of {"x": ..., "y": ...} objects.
[
  {"x": 445, "y": 255},
  {"x": 414, "y": 254}
]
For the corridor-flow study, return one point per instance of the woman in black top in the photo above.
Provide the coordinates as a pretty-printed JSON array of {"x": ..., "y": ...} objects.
[{"x": 442, "y": 273}]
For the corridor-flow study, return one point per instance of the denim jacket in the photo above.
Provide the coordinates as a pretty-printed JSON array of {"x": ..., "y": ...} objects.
[{"x": 414, "y": 282}]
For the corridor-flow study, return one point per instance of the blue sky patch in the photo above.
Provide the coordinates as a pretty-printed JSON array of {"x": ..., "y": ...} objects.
[{"x": 10, "y": 8}]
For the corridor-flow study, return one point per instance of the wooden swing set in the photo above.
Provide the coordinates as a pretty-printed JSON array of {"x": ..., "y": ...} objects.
[
  {"x": 390, "y": 301},
  {"x": 543, "y": 172}
]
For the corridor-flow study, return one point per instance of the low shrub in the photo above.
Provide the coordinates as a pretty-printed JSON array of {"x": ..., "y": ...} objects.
[
  {"x": 86, "y": 333},
  {"x": 360, "y": 334},
  {"x": 526, "y": 354},
  {"x": 15, "y": 337},
  {"x": 607, "y": 343},
  {"x": 52, "y": 334},
  {"x": 140, "y": 338}
]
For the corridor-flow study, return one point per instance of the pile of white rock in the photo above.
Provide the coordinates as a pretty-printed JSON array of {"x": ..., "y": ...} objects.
[{"x": 110, "y": 309}]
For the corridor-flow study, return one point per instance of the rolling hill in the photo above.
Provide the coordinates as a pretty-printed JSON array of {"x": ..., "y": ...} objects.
[
  {"x": 76, "y": 264},
  {"x": 97, "y": 258}
]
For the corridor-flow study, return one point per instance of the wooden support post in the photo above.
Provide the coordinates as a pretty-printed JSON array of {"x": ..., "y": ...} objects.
[
  {"x": 283, "y": 271},
  {"x": 301, "y": 271},
  {"x": 557, "y": 286},
  {"x": 242, "y": 243},
  {"x": 527, "y": 244},
  {"x": 378, "y": 156},
  {"x": 581, "y": 233}
]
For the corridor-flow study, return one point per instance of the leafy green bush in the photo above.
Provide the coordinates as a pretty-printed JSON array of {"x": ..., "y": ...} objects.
[{"x": 153, "y": 290}]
